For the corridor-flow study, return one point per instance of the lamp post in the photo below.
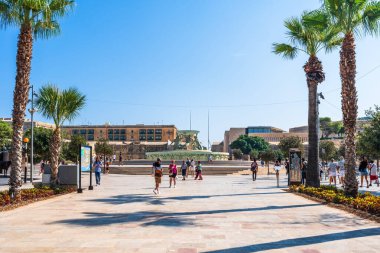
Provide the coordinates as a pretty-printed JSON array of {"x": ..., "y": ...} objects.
[
  {"x": 319, "y": 95},
  {"x": 32, "y": 110}
]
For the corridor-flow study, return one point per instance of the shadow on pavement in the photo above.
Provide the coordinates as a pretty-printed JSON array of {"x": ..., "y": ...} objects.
[
  {"x": 303, "y": 241},
  {"x": 157, "y": 200},
  {"x": 151, "y": 218}
]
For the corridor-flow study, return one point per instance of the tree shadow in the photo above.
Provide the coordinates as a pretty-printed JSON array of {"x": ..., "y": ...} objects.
[
  {"x": 303, "y": 241},
  {"x": 152, "y": 218},
  {"x": 157, "y": 200}
]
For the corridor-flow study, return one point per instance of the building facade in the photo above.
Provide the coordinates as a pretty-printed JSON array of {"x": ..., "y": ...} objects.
[
  {"x": 124, "y": 133},
  {"x": 28, "y": 124},
  {"x": 270, "y": 134}
]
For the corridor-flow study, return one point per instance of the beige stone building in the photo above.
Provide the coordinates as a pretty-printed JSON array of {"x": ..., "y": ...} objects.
[
  {"x": 28, "y": 123},
  {"x": 129, "y": 141},
  {"x": 270, "y": 134}
]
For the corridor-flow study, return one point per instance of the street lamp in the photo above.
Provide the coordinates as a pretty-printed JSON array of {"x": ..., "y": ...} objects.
[
  {"x": 319, "y": 96},
  {"x": 32, "y": 110}
]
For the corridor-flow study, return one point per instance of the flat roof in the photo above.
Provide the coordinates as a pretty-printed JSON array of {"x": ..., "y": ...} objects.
[
  {"x": 119, "y": 126},
  {"x": 271, "y": 127}
]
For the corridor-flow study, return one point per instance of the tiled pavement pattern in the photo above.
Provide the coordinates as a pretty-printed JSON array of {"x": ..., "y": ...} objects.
[{"x": 220, "y": 214}]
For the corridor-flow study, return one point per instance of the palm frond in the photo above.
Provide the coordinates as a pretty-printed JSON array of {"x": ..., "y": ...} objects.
[
  {"x": 41, "y": 15},
  {"x": 285, "y": 50},
  {"x": 59, "y": 105},
  {"x": 371, "y": 18}
]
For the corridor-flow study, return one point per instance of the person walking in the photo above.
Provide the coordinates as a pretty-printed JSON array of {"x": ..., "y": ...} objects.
[
  {"x": 157, "y": 173},
  {"x": 332, "y": 167},
  {"x": 192, "y": 167},
  {"x": 198, "y": 171},
  {"x": 303, "y": 171},
  {"x": 373, "y": 173},
  {"x": 277, "y": 168},
  {"x": 188, "y": 165},
  {"x": 120, "y": 159},
  {"x": 172, "y": 173},
  {"x": 107, "y": 167},
  {"x": 184, "y": 170},
  {"x": 363, "y": 169},
  {"x": 98, "y": 169},
  {"x": 287, "y": 167},
  {"x": 42, "y": 167},
  {"x": 254, "y": 167},
  {"x": 342, "y": 171}
]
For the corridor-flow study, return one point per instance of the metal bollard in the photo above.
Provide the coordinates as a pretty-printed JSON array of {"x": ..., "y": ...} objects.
[{"x": 25, "y": 172}]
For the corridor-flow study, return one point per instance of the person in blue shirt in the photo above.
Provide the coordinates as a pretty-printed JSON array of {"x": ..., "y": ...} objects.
[{"x": 98, "y": 169}]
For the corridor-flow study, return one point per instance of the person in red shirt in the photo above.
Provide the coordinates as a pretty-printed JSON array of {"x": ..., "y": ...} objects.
[{"x": 172, "y": 173}]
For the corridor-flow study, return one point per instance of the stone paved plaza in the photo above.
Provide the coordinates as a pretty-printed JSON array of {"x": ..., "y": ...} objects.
[{"x": 220, "y": 214}]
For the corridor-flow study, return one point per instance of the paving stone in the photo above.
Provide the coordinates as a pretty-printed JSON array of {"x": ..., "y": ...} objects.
[{"x": 220, "y": 214}]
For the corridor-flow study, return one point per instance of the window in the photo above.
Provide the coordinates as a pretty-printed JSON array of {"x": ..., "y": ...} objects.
[
  {"x": 122, "y": 131},
  {"x": 110, "y": 131},
  {"x": 74, "y": 132},
  {"x": 122, "y": 137},
  {"x": 150, "y": 131},
  {"x": 142, "y": 137},
  {"x": 116, "y": 131},
  {"x": 115, "y": 137},
  {"x": 142, "y": 131},
  {"x": 150, "y": 137},
  {"x": 90, "y": 131},
  {"x": 90, "y": 137},
  {"x": 158, "y": 131},
  {"x": 158, "y": 137},
  {"x": 110, "y": 137},
  {"x": 82, "y": 131}
]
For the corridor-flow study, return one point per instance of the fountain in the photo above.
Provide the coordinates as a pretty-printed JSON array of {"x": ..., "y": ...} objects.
[{"x": 186, "y": 145}]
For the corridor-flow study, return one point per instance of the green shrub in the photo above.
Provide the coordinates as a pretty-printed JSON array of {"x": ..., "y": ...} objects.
[
  {"x": 366, "y": 202},
  {"x": 39, "y": 192}
]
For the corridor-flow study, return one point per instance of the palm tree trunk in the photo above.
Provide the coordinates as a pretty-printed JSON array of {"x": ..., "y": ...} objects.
[
  {"x": 314, "y": 73},
  {"x": 20, "y": 100},
  {"x": 349, "y": 109},
  {"x": 55, "y": 148}
]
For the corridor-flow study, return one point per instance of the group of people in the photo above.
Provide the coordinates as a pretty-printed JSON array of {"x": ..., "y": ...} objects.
[
  {"x": 187, "y": 168},
  {"x": 277, "y": 167},
  {"x": 368, "y": 167}
]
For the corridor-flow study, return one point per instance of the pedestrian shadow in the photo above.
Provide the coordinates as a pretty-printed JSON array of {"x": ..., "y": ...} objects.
[
  {"x": 303, "y": 241},
  {"x": 153, "y": 218},
  {"x": 158, "y": 200}
]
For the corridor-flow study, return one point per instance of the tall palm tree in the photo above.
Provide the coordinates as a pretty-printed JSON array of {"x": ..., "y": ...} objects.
[
  {"x": 351, "y": 18},
  {"x": 306, "y": 39},
  {"x": 59, "y": 106},
  {"x": 38, "y": 19}
]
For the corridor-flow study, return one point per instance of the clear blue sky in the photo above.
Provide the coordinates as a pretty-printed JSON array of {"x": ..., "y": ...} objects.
[{"x": 154, "y": 61}]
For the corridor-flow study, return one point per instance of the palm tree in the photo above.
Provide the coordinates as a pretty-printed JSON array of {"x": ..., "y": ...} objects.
[
  {"x": 306, "y": 39},
  {"x": 38, "y": 19},
  {"x": 351, "y": 18},
  {"x": 59, "y": 106}
]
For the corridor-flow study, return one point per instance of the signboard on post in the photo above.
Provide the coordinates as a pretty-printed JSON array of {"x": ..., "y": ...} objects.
[
  {"x": 85, "y": 158},
  {"x": 295, "y": 162}
]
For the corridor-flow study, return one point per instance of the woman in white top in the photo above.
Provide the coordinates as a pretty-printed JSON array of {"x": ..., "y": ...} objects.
[
  {"x": 373, "y": 173},
  {"x": 342, "y": 172},
  {"x": 192, "y": 168},
  {"x": 277, "y": 168}
]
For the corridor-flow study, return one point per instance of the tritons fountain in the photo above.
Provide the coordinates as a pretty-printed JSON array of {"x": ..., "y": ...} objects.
[{"x": 186, "y": 145}]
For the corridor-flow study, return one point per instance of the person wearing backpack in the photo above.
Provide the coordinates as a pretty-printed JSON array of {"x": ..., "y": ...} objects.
[
  {"x": 254, "y": 167},
  {"x": 157, "y": 173}
]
